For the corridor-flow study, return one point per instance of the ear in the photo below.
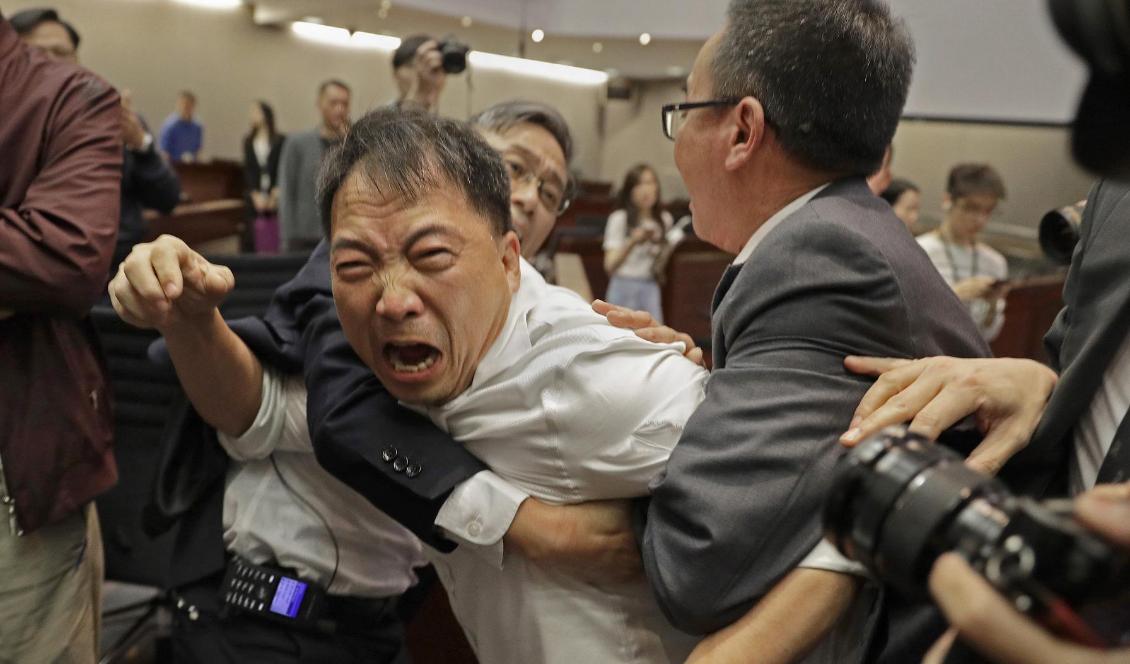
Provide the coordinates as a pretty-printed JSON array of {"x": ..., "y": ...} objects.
[
  {"x": 746, "y": 132},
  {"x": 947, "y": 202},
  {"x": 511, "y": 260}
]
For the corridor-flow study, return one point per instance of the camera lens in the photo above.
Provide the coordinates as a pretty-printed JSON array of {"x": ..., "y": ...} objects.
[
  {"x": 1059, "y": 232},
  {"x": 900, "y": 501},
  {"x": 454, "y": 55}
]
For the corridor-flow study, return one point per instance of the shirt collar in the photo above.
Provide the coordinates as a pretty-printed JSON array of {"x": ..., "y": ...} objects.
[{"x": 774, "y": 221}]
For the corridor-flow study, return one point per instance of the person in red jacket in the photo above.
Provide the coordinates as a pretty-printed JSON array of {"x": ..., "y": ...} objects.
[{"x": 60, "y": 179}]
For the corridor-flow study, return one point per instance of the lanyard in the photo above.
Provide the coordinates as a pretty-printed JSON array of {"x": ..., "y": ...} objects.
[{"x": 953, "y": 263}]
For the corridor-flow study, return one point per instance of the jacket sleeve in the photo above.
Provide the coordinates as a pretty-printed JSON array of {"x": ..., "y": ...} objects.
[
  {"x": 153, "y": 182},
  {"x": 56, "y": 244},
  {"x": 739, "y": 505},
  {"x": 1093, "y": 213}
]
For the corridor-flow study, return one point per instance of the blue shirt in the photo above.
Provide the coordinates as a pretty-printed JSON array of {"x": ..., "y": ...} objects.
[{"x": 181, "y": 136}]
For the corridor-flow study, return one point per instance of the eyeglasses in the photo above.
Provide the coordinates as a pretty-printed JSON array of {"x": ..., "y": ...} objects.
[
  {"x": 552, "y": 195},
  {"x": 675, "y": 115}
]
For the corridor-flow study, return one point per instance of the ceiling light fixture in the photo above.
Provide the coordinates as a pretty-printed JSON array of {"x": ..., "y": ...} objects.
[
  {"x": 537, "y": 35},
  {"x": 597, "y": 47},
  {"x": 645, "y": 39},
  {"x": 328, "y": 34},
  {"x": 466, "y": 22},
  {"x": 213, "y": 4},
  {"x": 564, "y": 73}
]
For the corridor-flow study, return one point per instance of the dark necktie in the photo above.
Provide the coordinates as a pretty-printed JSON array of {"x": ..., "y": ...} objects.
[
  {"x": 1116, "y": 465},
  {"x": 724, "y": 284}
]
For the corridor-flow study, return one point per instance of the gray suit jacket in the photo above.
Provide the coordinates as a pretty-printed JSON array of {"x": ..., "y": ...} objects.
[
  {"x": 1085, "y": 336},
  {"x": 740, "y": 502}
]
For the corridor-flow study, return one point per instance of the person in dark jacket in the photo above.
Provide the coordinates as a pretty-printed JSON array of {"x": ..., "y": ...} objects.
[
  {"x": 148, "y": 183},
  {"x": 261, "y": 150},
  {"x": 59, "y": 195}
]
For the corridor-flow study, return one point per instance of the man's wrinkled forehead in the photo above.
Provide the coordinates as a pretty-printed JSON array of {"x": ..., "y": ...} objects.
[{"x": 361, "y": 197}]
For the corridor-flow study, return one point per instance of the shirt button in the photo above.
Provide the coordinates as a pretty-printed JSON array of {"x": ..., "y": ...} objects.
[
  {"x": 400, "y": 463},
  {"x": 413, "y": 470},
  {"x": 388, "y": 454},
  {"x": 474, "y": 528}
]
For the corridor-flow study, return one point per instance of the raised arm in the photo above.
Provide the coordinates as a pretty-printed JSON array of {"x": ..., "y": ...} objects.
[{"x": 167, "y": 286}]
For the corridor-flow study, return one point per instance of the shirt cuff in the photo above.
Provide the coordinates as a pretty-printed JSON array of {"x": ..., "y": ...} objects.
[
  {"x": 262, "y": 437},
  {"x": 825, "y": 556},
  {"x": 479, "y": 512}
]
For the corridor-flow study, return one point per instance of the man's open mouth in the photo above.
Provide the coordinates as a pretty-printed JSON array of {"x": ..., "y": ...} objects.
[{"x": 410, "y": 357}]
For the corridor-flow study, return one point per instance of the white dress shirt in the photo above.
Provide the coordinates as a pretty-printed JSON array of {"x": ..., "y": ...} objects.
[
  {"x": 568, "y": 409},
  {"x": 264, "y": 521},
  {"x": 1094, "y": 433}
]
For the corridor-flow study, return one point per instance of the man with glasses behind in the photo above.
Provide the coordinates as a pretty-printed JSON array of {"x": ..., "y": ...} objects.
[{"x": 973, "y": 269}]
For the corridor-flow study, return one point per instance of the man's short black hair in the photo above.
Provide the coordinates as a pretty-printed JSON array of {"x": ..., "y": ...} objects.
[
  {"x": 974, "y": 180},
  {"x": 404, "y": 54},
  {"x": 27, "y": 20},
  {"x": 896, "y": 189},
  {"x": 410, "y": 153},
  {"x": 832, "y": 75},
  {"x": 332, "y": 82}
]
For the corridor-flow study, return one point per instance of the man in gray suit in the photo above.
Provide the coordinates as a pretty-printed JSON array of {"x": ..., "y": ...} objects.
[{"x": 788, "y": 109}]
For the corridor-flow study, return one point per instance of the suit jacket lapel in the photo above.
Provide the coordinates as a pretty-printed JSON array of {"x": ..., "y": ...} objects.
[{"x": 718, "y": 342}]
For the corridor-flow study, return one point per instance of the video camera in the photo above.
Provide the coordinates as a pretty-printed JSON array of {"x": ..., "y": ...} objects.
[{"x": 899, "y": 501}]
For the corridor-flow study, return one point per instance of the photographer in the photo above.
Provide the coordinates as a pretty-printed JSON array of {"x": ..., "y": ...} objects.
[
  {"x": 984, "y": 619},
  {"x": 417, "y": 66}
]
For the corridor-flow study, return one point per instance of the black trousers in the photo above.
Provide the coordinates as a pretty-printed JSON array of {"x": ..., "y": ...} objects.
[{"x": 369, "y": 632}]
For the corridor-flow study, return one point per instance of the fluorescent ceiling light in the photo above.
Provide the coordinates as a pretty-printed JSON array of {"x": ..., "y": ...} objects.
[
  {"x": 481, "y": 60},
  {"x": 374, "y": 41},
  {"x": 327, "y": 34},
  {"x": 212, "y": 4}
]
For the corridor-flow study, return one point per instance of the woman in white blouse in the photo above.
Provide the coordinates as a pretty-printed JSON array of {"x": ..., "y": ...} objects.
[{"x": 634, "y": 239}]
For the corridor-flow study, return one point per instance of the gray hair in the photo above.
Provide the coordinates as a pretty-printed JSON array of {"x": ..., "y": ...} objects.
[{"x": 832, "y": 76}]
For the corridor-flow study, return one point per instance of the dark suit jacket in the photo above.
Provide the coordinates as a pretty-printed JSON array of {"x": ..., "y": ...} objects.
[
  {"x": 1081, "y": 342},
  {"x": 352, "y": 418},
  {"x": 253, "y": 170},
  {"x": 148, "y": 183},
  {"x": 740, "y": 503}
]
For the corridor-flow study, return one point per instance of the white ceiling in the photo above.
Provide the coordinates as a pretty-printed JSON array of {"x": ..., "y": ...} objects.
[{"x": 976, "y": 59}]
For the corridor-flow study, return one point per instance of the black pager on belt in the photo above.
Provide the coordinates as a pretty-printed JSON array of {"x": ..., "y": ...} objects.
[{"x": 274, "y": 594}]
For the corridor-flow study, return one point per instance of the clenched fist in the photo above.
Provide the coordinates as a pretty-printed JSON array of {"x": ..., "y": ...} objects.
[{"x": 164, "y": 284}]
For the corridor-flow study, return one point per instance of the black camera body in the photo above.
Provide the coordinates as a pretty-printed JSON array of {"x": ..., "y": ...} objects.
[
  {"x": 899, "y": 501},
  {"x": 454, "y": 54}
]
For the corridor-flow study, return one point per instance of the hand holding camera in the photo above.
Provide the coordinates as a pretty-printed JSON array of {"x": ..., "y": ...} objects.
[{"x": 900, "y": 502}]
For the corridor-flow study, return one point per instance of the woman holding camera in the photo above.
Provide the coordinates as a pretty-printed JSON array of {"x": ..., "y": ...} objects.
[{"x": 635, "y": 238}]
